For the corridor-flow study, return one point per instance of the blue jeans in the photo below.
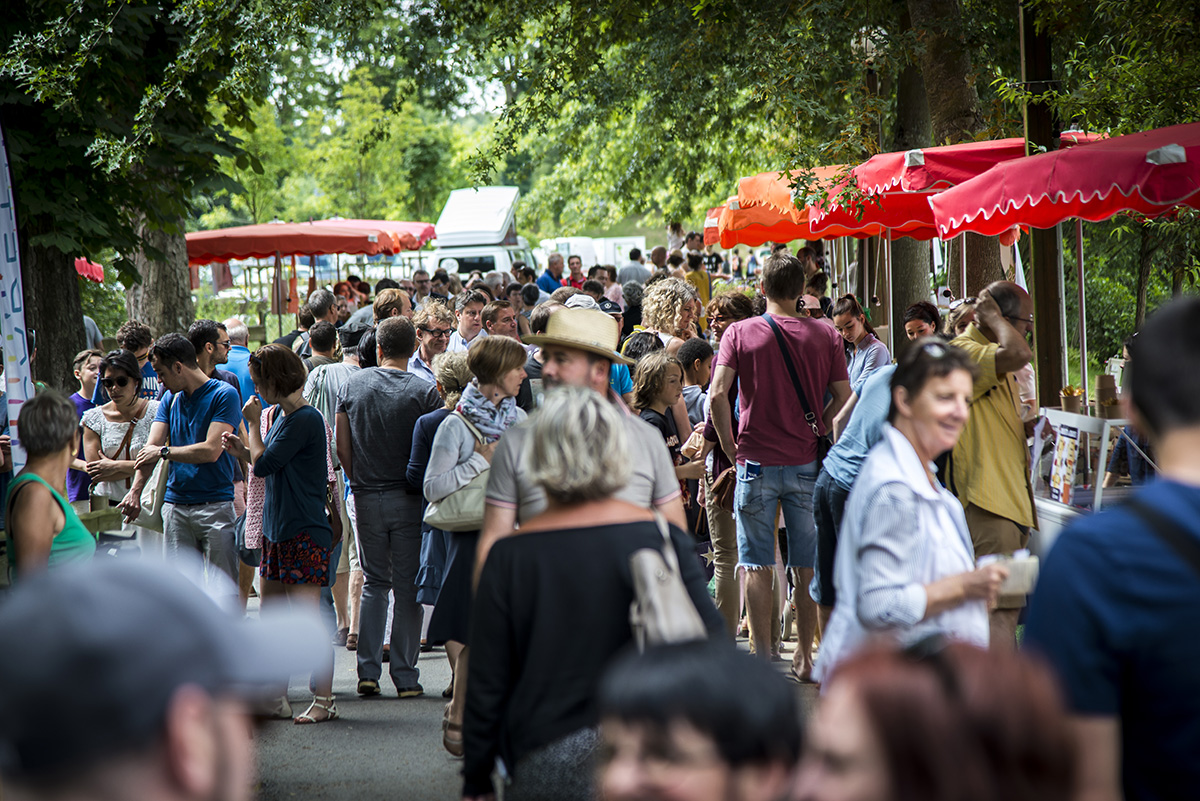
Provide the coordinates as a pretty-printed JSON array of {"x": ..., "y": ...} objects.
[
  {"x": 829, "y": 500},
  {"x": 755, "y": 502}
]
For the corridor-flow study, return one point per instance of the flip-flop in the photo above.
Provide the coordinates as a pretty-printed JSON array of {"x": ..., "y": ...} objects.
[{"x": 795, "y": 676}]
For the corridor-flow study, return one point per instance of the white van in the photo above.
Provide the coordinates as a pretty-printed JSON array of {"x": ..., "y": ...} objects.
[{"x": 477, "y": 232}]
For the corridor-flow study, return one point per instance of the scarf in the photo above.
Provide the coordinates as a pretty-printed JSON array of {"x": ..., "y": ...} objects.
[{"x": 484, "y": 415}]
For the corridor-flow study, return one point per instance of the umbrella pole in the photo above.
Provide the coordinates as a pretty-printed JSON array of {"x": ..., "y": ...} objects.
[
  {"x": 277, "y": 291},
  {"x": 891, "y": 342},
  {"x": 1083, "y": 366},
  {"x": 962, "y": 265}
]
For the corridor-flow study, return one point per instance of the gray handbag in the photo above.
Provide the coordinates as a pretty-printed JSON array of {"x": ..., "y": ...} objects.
[{"x": 662, "y": 612}]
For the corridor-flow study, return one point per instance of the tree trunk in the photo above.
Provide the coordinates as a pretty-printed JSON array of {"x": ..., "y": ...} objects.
[
  {"x": 52, "y": 309},
  {"x": 163, "y": 300},
  {"x": 945, "y": 64},
  {"x": 910, "y": 258},
  {"x": 1145, "y": 259}
]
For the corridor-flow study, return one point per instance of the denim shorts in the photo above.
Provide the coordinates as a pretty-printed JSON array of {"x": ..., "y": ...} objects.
[{"x": 756, "y": 501}]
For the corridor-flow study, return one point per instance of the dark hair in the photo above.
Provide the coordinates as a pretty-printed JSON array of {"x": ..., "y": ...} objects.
[
  {"x": 47, "y": 423},
  {"x": 134, "y": 336},
  {"x": 958, "y": 722},
  {"x": 465, "y": 299},
  {"x": 733, "y": 304},
  {"x": 1007, "y": 296},
  {"x": 639, "y": 343},
  {"x": 806, "y": 255},
  {"x": 819, "y": 282},
  {"x": 695, "y": 261},
  {"x": 926, "y": 312},
  {"x": 366, "y": 350},
  {"x": 320, "y": 301},
  {"x": 122, "y": 360},
  {"x": 420, "y": 271},
  {"x": 305, "y": 317},
  {"x": 1163, "y": 375},
  {"x": 173, "y": 349},
  {"x": 741, "y": 703},
  {"x": 593, "y": 286},
  {"x": 635, "y": 254},
  {"x": 539, "y": 318},
  {"x": 386, "y": 283},
  {"x": 928, "y": 357},
  {"x": 530, "y": 294},
  {"x": 204, "y": 332},
  {"x": 693, "y": 350},
  {"x": 82, "y": 358},
  {"x": 278, "y": 369},
  {"x": 322, "y": 336},
  {"x": 528, "y": 272},
  {"x": 782, "y": 277},
  {"x": 848, "y": 304},
  {"x": 396, "y": 338},
  {"x": 491, "y": 313},
  {"x": 675, "y": 259}
]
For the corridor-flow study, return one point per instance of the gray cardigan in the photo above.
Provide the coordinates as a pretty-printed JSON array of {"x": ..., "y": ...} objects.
[{"x": 453, "y": 460}]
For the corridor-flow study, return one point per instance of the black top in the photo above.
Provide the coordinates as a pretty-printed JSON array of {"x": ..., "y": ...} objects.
[
  {"x": 665, "y": 424},
  {"x": 551, "y": 611},
  {"x": 533, "y": 370}
]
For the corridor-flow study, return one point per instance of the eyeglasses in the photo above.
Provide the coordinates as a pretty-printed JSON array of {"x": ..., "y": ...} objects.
[
  {"x": 109, "y": 383},
  {"x": 954, "y": 304},
  {"x": 227, "y": 343},
  {"x": 437, "y": 332}
]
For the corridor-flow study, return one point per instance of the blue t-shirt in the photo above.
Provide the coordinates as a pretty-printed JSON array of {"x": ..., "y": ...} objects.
[
  {"x": 293, "y": 465},
  {"x": 548, "y": 282},
  {"x": 1140, "y": 471},
  {"x": 149, "y": 388},
  {"x": 847, "y": 455},
  {"x": 620, "y": 380},
  {"x": 188, "y": 418},
  {"x": 79, "y": 482},
  {"x": 239, "y": 365},
  {"x": 1115, "y": 612}
]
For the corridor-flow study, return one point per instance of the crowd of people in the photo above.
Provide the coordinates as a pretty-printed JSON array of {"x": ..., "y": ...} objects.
[{"x": 472, "y": 462}]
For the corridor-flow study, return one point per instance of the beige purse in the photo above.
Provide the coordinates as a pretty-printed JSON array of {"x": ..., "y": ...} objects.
[{"x": 662, "y": 612}]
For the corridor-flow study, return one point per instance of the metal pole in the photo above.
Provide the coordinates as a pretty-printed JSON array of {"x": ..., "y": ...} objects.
[
  {"x": 891, "y": 341},
  {"x": 962, "y": 265},
  {"x": 1083, "y": 368}
]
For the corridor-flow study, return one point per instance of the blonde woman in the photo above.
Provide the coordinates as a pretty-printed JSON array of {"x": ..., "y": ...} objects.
[
  {"x": 669, "y": 310},
  {"x": 555, "y": 602}
]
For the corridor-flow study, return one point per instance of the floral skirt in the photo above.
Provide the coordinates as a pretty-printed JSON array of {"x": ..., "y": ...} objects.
[{"x": 298, "y": 560}]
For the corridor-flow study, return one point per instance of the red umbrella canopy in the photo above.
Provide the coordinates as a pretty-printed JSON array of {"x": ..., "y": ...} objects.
[
  {"x": 712, "y": 231},
  {"x": 1150, "y": 173},
  {"x": 286, "y": 239},
  {"x": 408, "y": 235},
  {"x": 90, "y": 270}
]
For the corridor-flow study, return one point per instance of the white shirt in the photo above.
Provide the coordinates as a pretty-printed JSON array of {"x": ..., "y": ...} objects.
[
  {"x": 898, "y": 534},
  {"x": 457, "y": 342},
  {"x": 418, "y": 367}
]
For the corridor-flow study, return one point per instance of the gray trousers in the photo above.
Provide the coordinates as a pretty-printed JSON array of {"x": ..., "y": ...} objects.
[
  {"x": 389, "y": 552},
  {"x": 206, "y": 528}
]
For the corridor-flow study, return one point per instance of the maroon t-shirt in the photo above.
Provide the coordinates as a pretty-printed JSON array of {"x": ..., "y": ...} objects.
[{"x": 771, "y": 430}]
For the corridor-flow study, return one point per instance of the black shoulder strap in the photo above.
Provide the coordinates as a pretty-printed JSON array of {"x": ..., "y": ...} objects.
[
  {"x": 809, "y": 417},
  {"x": 1169, "y": 532}
]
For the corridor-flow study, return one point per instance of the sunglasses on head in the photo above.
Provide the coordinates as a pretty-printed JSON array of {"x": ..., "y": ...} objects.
[
  {"x": 954, "y": 304},
  {"x": 109, "y": 383}
]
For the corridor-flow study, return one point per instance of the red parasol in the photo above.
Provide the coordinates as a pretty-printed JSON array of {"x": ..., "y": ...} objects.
[
  {"x": 89, "y": 270},
  {"x": 408, "y": 235},
  {"x": 712, "y": 232},
  {"x": 285, "y": 239},
  {"x": 1150, "y": 173}
]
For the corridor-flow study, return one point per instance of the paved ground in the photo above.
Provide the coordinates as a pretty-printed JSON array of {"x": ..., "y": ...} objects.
[{"x": 382, "y": 747}]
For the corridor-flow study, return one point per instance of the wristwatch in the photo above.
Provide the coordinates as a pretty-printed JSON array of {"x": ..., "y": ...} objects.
[{"x": 164, "y": 452}]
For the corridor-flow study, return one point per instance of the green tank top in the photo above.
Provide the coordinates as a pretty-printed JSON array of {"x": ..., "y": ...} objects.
[{"x": 73, "y": 544}]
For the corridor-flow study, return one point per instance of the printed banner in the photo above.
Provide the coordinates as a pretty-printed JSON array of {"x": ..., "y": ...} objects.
[{"x": 18, "y": 380}]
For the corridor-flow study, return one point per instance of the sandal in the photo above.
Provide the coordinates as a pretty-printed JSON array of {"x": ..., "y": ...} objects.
[
  {"x": 281, "y": 709},
  {"x": 452, "y": 739},
  {"x": 319, "y": 702},
  {"x": 352, "y": 642}
]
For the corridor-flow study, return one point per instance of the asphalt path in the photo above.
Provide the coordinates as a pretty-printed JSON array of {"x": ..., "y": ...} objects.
[{"x": 381, "y": 747}]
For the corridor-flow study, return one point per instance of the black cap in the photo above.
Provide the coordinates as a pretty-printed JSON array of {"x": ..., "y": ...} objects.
[
  {"x": 609, "y": 307},
  {"x": 94, "y": 652},
  {"x": 351, "y": 334}
]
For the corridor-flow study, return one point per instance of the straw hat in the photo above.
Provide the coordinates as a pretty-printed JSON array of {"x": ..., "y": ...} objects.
[{"x": 582, "y": 329}]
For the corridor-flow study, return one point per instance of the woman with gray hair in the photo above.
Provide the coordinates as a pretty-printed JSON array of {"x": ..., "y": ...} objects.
[
  {"x": 42, "y": 528},
  {"x": 552, "y": 607}
]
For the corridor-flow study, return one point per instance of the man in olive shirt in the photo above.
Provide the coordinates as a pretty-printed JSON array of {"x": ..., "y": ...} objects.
[
  {"x": 990, "y": 463},
  {"x": 578, "y": 349}
]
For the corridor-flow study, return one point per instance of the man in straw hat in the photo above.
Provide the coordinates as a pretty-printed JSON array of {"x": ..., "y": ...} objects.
[{"x": 579, "y": 348}]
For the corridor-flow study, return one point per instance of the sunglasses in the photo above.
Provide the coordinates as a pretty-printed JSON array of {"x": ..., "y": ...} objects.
[
  {"x": 954, "y": 304},
  {"x": 109, "y": 383}
]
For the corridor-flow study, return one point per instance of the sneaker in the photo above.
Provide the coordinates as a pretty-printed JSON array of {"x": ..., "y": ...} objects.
[
  {"x": 410, "y": 692},
  {"x": 368, "y": 687}
]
